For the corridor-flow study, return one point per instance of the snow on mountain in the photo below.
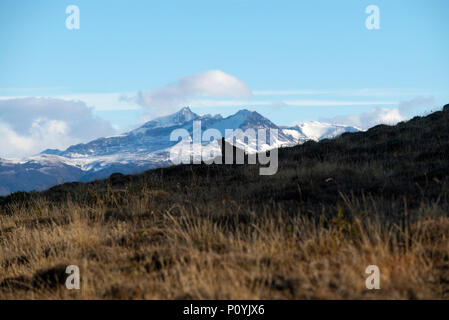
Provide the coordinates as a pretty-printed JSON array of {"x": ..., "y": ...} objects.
[
  {"x": 36, "y": 173},
  {"x": 182, "y": 116},
  {"x": 145, "y": 148},
  {"x": 317, "y": 131}
]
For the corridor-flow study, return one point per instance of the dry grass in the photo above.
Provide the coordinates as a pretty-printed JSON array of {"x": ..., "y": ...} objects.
[{"x": 137, "y": 251}]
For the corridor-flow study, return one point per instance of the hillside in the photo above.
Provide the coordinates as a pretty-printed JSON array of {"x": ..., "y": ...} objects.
[{"x": 223, "y": 231}]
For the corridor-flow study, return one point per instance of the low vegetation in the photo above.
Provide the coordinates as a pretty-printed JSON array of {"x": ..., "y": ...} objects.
[{"x": 379, "y": 197}]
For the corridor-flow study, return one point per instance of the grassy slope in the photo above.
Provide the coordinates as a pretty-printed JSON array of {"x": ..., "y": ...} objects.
[{"x": 378, "y": 197}]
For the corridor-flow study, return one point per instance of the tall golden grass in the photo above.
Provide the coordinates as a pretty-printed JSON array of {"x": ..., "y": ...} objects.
[{"x": 138, "y": 251}]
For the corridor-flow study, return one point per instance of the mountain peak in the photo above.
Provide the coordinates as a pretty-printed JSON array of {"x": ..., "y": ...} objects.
[
  {"x": 184, "y": 114},
  {"x": 180, "y": 117},
  {"x": 246, "y": 112},
  {"x": 251, "y": 118},
  {"x": 185, "y": 110}
]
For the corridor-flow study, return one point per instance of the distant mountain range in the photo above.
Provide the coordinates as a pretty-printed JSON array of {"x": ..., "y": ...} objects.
[{"x": 144, "y": 148}]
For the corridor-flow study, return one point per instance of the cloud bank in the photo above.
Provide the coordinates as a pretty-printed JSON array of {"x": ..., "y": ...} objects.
[
  {"x": 408, "y": 107},
  {"x": 212, "y": 84},
  {"x": 30, "y": 125},
  {"x": 382, "y": 115}
]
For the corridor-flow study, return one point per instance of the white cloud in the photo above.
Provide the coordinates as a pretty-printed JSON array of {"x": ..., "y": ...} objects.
[
  {"x": 370, "y": 118},
  {"x": 407, "y": 107},
  {"x": 293, "y": 103},
  {"x": 324, "y": 103},
  {"x": 99, "y": 101},
  {"x": 30, "y": 125},
  {"x": 213, "y": 84},
  {"x": 367, "y": 92},
  {"x": 381, "y": 115},
  {"x": 13, "y": 144},
  {"x": 104, "y": 101}
]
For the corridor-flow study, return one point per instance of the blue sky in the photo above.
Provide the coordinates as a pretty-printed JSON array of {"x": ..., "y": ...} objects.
[{"x": 301, "y": 60}]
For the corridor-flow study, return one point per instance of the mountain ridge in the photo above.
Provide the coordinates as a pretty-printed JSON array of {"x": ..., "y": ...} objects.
[{"x": 146, "y": 147}]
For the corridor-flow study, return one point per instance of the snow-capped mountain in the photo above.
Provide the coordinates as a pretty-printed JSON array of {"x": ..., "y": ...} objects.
[
  {"x": 316, "y": 131},
  {"x": 36, "y": 173},
  {"x": 145, "y": 148}
]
